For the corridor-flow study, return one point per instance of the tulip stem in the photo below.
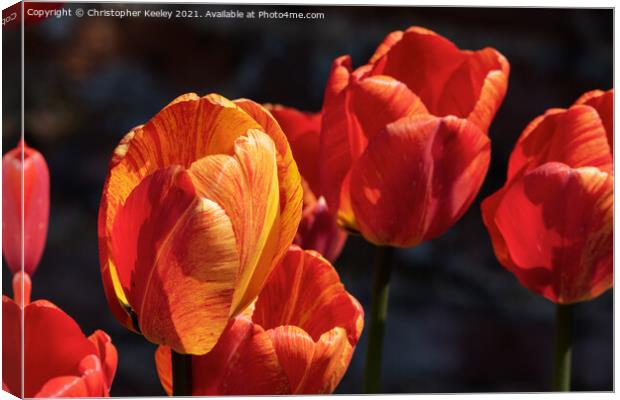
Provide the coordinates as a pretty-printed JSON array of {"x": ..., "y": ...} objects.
[
  {"x": 378, "y": 313},
  {"x": 181, "y": 374},
  {"x": 563, "y": 347}
]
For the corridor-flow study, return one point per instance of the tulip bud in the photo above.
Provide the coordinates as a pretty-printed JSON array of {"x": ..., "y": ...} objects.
[{"x": 36, "y": 194}]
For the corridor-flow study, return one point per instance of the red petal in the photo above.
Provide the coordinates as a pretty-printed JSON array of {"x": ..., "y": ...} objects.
[
  {"x": 556, "y": 224},
  {"x": 302, "y": 130},
  {"x": 11, "y": 347},
  {"x": 173, "y": 243},
  {"x": 58, "y": 352},
  {"x": 342, "y": 140},
  {"x": 317, "y": 300},
  {"x": 89, "y": 383},
  {"x": 449, "y": 81},
  {"x": 575, "y": 137},
  {"x": 243, "y": 362},
  {"x": 417, "y": 178},
  {"x": 378, "y": 100},
  {"x": 603, "y": 102},
  {"x": 107, "y": 354}
]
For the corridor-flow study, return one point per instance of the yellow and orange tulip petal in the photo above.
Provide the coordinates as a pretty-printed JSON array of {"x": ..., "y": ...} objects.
[
  {"x": 318, "y": 229},
  {"x": 552, "y": 222},
  {"x": 299, "y": 346},
  {"x": 199, "y": 205},
  {"x": 415, "y": 73}
]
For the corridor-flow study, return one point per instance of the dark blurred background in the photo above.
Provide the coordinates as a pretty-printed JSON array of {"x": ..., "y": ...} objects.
[{"x": 458, "y": 322}]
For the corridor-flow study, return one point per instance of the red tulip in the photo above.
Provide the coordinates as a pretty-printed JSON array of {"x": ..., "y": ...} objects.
[
  {"x": 199, "y": 205},
  {"x": 36, "y": 192},
  {"x": 552, "y": 222},
  {"x": 59, "y": 361},
  {"x": 297, "y": 339},
  {"x": 403, "y": 137},
  {"x": 318, "y": 229}
]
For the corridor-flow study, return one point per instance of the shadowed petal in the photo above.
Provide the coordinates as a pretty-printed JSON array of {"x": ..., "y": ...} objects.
[
  {"x": 243, "y": 362},
  {"x": 466, "y": 84},
  {"x": 173, "y": 242},
  {"x": 302, "y": 129},
  {"x": 417, "y": 178},
  {"x": 560, "y": 249}
]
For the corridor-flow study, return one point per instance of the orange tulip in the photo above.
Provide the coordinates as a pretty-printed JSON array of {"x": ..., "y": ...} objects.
[
  {"x": 318, "y": 229},
  {"x": 199, "y": 205},
  {"x": 59, "y": 361},
  {"x": 403, "y": 137},
  {"x": 36, "y": 192},
  {"x": 552, "y": 222},
  {"x": 297, "y": 339}
]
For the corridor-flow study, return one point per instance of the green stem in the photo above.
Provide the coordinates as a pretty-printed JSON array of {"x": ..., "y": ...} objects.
[
  {"x": 563, "y": 347},
  {"x": 181, "y": 374},
  {"x": 378, "y": 313}
]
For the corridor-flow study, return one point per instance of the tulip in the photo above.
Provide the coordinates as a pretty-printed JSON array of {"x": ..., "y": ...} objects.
[
  {"x": 405, "y": 148},
  {"x": 199, "y": 205},
  {"x": 403, "y": 138},
  {"x": 59, "y": 360},
  {"x": 318, "y": 229},
  {"x": 299, "y": 346},
  {"x": 36, "y": 199},
  {"x": 551, "y": 224}
]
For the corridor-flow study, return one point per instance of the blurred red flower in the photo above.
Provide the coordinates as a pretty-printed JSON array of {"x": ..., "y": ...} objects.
[
  {"x": 318, "y": 229},
  {"x": 59, "y": 361},
  {"x": 36, "y": 193},
  {"x": 403, "y": 140},
  {"x": 552, "y": 222},
  {"x": 298, "y": 338}
]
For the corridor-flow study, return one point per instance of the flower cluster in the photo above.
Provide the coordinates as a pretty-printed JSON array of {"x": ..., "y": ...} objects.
[{"x": 219, "y": 221}]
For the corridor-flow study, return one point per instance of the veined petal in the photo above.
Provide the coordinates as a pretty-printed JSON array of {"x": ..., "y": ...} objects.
[
  {"x": 378, "y": 100},
  {"x": 246, "y": 187},
  {"x": 331, "y": 357},
  {"x": 243, "y": 362},
  {"x": 556, "y": 223},
  {"x": 187, "y": 129},
  {"x": 316, "y": 299},
  {"x": 172, "y": 242},
  {"x": 575, "y": 137},
  {"x": 417, "y": 178},
  {"x": 603, "y": 103},
  {"x": 289, "y": 181}
]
